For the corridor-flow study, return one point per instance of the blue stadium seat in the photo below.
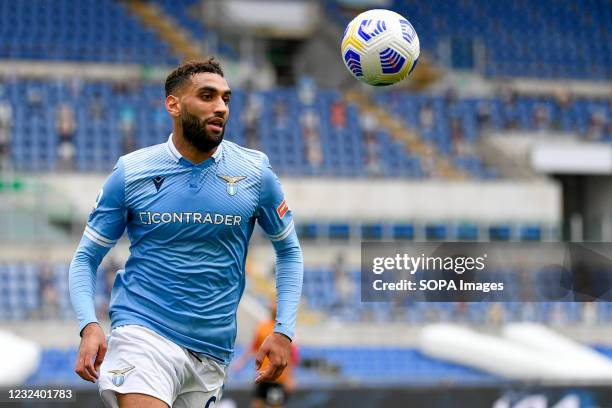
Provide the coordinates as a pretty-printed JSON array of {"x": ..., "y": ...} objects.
[
  {"x": 339, "y": 231},
  {"x": 500, "y": 232},
  {"x": 467, "y": 232},
  {"x": 403, "y": 231},
  {"x": 435, "y": 232},
  {"x": 308, "y": 231},
  {"x": 530, "y": 233},
  {"x": 371, "y": 231}
]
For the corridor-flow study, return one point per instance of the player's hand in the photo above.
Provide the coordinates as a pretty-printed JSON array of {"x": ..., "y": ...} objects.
[
  {"x": 277, "y": 347},
  {"x": 93, "y": 345}
]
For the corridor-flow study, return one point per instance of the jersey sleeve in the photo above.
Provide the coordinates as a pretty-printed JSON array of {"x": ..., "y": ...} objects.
[
  {"x": 276, "y": 219},
  {"x": 274, "y": 214},
  {"x": 104, "y": 227},
  {"x": 108, "y": 218}
]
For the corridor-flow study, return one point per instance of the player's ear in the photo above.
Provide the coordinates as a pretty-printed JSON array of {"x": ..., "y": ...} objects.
[{"x": 173, "y": 106}]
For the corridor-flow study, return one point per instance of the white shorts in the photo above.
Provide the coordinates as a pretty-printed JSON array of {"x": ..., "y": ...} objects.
[{"x": 138, "y": 360}]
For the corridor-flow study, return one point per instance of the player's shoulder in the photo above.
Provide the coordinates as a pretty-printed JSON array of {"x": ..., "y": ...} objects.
[
  {"x": 146, "y": 160},
  {"x": 150, "y": 152},
  {"x": 245, "y": 156},
  {"x": 142, "y": 165}
]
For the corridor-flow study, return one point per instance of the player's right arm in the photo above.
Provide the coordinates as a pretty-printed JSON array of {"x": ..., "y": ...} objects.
[
  {"x": 105, "y": 226},
  {"x": 276, "y": 219}
]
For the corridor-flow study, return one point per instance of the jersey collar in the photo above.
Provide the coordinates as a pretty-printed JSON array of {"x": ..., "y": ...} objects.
[{"x": 176, "y": 156}]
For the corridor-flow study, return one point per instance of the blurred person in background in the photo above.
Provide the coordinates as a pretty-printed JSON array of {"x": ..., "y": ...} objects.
[
  {"x": 281, "y": 119},
  {"x": 49, "y": 296},
  {"x": 483, "y": 115},
  {"x": 369, "y": 125},
  {"x": 307, "y": 90},
  {"x": 312, "y": 140},
  {"x": 121, "y": 88},
  {"x": 75, "y": 86},
  {"x": 66, "y": 127},
  {"x": 540, "y": 117},
  {"x": 34, "y": 101},
  {"x": 459, "y": 146},
  {"x": 460, "y": 311},
  {"x": 557, "y": 316},
  {"x": 565, "y": 118},
  {"x": 344, "y": 285},
  {"x": 426, "y": 118},
  {"x": 6, "y": 123},
  {"x": 337, "y": 114},
  {"x": 429, "y": 163},
  {"x": 495, "y": 314},
  {"x": 596, "y": 129},
  {"x": 509, "y": 109},
  {"x": 250, "y": 119},
  {"x": 589, "y": 313},
  {"x": 96, "y": 107},
  {"x": 127, "y": 126},
  {"x": 269, "y": 394}
]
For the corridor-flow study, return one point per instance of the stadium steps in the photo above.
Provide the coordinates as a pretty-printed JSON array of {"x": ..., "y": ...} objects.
[
  {"x": 396, "y": 128},
  {"x": 167, "y": 28}
]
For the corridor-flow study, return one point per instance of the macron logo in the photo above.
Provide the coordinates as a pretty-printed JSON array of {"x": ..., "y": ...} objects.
[{"x": 158, "y": 181}]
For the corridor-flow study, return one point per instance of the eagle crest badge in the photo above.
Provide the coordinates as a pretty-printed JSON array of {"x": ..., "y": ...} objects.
[
  {"x": 119, "y": 375},
  {"x": 231, "y": 183}
]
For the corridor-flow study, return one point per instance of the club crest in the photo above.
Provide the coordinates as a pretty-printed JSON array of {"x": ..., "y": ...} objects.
[
  {"x": 231, "y": 181},
  {"x": 119, "y": 375}
]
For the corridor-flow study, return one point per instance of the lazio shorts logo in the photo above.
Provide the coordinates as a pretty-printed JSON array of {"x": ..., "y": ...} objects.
[
  {"x": 231, "y": 181},
  {"x": 119, "y": 375}
]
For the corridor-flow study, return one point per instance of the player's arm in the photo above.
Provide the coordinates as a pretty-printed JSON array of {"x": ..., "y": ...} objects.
[
  {"x": 276, "y": 219},
  {"x": 105, "y": 226}
]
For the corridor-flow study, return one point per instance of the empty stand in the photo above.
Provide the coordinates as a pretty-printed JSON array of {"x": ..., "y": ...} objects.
[
  {"x": 72, "y": 30},
  {"x": 546, "y": 39}
]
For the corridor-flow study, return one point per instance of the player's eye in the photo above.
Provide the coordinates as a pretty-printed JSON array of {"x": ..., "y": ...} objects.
[
  {"x": 226, "y": 100},
  {"x": 207, "y": 97}
]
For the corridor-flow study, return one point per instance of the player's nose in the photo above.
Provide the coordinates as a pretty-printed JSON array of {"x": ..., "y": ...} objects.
[{"x": 220, "y": 107}]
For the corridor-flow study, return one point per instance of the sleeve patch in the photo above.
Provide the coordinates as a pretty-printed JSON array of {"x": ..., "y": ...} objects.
[{"x": 282, "y": 209}]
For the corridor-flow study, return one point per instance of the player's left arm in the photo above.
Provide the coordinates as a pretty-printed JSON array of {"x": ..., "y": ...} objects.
[{"x": 276, "y": 219}]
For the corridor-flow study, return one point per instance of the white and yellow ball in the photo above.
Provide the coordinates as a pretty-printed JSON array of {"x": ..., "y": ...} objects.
[{"x": 380, "y": 47}]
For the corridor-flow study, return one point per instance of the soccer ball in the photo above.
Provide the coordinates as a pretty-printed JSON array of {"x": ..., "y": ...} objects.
[{"x": 380, "y": 47}]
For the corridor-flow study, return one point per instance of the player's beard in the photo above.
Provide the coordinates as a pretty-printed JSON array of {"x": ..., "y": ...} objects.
[{"x": 195, "y": 132}]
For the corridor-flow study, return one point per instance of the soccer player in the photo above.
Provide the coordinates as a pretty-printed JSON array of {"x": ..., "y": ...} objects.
[
  {"x": 269, "y": 394},
  {"x": 189, "y": 206}
]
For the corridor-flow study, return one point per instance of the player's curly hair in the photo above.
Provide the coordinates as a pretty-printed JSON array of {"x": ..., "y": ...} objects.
[{"x": 187, "y": 69}]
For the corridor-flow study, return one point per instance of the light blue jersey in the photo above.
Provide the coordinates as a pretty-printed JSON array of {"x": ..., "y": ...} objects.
[{"x": 189, "y": 227}]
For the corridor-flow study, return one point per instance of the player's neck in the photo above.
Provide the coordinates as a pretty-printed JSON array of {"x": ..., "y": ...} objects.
[{"x": 188, "y": 151}]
